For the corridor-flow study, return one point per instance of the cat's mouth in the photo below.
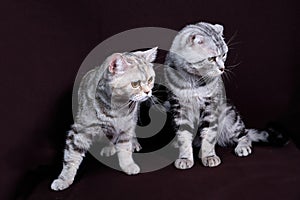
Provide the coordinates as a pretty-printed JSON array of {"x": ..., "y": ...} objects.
[
  {"x": 213, "y": 74},
  {"x": 220, "y": 73},
  {"x": 144, "y": 99}
]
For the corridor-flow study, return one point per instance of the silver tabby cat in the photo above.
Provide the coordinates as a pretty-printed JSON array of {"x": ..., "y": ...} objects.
[
  {"x": 108, "y": 99},
  {"x": 195, "y": 64}
]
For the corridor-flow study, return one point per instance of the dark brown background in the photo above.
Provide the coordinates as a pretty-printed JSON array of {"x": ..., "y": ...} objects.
[{"x": 43, "y": 44}]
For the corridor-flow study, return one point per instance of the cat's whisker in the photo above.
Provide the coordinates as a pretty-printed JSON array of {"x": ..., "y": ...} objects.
[
  {"x": 155, "y": 101},
  {"x": 203, "y": 79},
  {"x": 233, "y": 66},
  {"x": 123, "y": 106},
  {"x": 234, "y": 44},
  {"x": 229, "y": 74},
  {"x": 131, "y": 107},
  {"x": 226, "y": 76},
  {"x": 232, "y": 38}
]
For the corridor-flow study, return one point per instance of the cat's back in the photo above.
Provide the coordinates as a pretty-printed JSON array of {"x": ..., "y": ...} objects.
[{"x": 86, "y": 106}]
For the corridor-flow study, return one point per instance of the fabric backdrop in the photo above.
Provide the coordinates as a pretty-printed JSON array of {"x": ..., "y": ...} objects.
[{"x": 44, "y": 42}]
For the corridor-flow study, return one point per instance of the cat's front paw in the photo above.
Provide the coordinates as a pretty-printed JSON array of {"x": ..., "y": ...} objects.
[
  {"x": 242, "y": 150},
  {"x": 183, "y": 163},
  {"x": 211, "y": 161},
  {"x": 136, "y": 146},
  {"x": 108, "y": 151},
  {"x": 131, "y": 169},
  {"x": 59, "y": 184}
]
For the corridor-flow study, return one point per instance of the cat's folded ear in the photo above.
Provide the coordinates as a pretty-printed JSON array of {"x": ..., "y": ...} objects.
[
  {"x": 196, "y": 39},
  {"x": 117, "y": 64},
  {"x": 148, "y": 55},
  {"x": 219, "y": 28}
]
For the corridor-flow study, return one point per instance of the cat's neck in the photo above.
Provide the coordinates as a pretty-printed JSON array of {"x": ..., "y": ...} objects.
[
  {"x": 113, "y": 105},
  {"x": 118, "y": 108},
  {"x": 186, "y": 84}
]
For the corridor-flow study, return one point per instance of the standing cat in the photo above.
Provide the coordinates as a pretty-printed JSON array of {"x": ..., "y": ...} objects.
[
  {"x": 108, "y": 98},
  {"x": 195, "y": 64}
]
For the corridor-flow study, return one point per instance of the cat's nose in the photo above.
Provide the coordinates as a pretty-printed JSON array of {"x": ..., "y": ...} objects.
[
  {"x": 147, "y": 92},
  {"x": 221, "y": 69}
]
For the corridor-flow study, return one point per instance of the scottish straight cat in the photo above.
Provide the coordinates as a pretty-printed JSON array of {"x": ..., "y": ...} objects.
[
  {"x": 108, "y": 99},
  {"x": 195, "y": 64}
]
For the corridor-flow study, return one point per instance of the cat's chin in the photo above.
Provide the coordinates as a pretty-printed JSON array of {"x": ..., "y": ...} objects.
[
  {"x": 211, "y": 74},
  {"x": 140, "y": 99},
  {"x": 143, "y": 99},
  {"x": 215, "y": 75}
]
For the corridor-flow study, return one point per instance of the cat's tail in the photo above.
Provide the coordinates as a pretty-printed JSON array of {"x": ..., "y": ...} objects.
[{"x": 272, "y": 135}]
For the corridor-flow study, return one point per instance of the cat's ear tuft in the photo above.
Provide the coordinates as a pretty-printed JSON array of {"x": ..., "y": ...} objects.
[
  {"x": 117, "y": 64},
  {"x": 148, "y": 55},
  {"x": 219, "y": 28},
  {"x": 197, "y": 39}
]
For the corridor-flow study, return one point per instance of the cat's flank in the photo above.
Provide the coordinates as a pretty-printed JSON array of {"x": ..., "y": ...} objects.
[
  {"x": 195, "y": 64},
  {"x": 108, "y": 99}
]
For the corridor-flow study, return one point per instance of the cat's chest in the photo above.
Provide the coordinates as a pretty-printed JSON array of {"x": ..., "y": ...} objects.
[
  {"x": 196, "y": 97},
  {"x": 123, "y": 121},
  {"x": 118, "y": 126},
  {"x": 196, "y": 102},
  {"x": 197, "y": 94}
]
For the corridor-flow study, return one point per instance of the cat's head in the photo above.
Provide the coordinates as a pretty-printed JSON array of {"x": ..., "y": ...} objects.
[
  {"x": 132, "y": 75},
  {"x": 203, "y": 46}
]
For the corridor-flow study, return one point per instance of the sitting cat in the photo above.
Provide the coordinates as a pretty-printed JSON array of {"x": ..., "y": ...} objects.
[
  {"x": 195, "y": 64},
  {"x": 108, "y": 98}
]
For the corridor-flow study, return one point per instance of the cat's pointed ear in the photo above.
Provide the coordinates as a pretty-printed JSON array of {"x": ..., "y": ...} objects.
[
  {"x": 219, "y": 28},
  {"x": 148, "y": 55},
  {"x": 196, "y": 39},
  {"x": 117, "y": 64}
]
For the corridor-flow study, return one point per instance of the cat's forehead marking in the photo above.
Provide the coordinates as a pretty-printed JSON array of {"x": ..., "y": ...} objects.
[
  {"x": 135, "y": 60},
  {"x": 146, "y": 71},
  {"x": 140, "y": 68},
  {"x": 209, "y": 32},
  {"x": 141, "y": 63}
]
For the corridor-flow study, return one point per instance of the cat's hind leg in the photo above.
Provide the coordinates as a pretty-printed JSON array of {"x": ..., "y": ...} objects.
[
  {"x": 111, "y": 150},
  {"x": 76, "y": 146},
  {"x": 232, "y": 131},
  {"x": 244, "y": 145},
  {"x": 136, "y": 145},
  {"x": 108, "y": 150}
]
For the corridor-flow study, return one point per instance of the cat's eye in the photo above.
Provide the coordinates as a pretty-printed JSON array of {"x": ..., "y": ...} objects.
[
  {"x": 150, "y": 79},
  {"x": 135, "y": 84},
  {"x": 212, "y": 59}
]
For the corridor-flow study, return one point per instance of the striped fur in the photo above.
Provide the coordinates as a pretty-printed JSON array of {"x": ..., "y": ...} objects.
[
  {"x": 108, "y": 99},
  {"x": 195, "y": 64}
]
